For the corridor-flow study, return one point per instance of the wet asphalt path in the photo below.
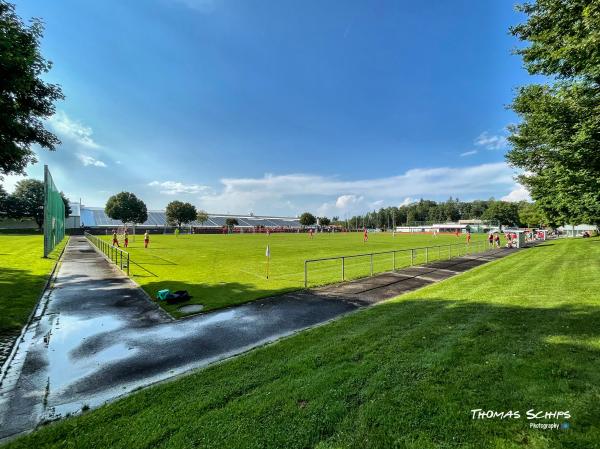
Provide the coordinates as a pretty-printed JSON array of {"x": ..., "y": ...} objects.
[{"x": 96, "y": 335}]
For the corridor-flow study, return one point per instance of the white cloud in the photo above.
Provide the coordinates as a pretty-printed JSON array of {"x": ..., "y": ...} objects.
[
  {"x": 346, "y": 201},
  {"x": 518, "y": 193},
  {"x": 331, "y": 194},
  {"x": 408, "y": 200},
  {"x": 491, "y": 141},
  {"x": 468, "y": 153},
  {"x": 90, "y": 161},
  {"x": 174, "y": 187},
  {"x": 69, "y": 129}
]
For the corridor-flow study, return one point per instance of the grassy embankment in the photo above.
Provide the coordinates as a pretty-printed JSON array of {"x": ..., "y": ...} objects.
[{"x": 520, "y": 333}]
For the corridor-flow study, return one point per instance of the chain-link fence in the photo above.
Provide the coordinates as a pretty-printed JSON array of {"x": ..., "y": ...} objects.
[{"x": 54, "y": 214}]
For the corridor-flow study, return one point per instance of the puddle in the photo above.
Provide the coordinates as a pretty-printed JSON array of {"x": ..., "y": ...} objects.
[
  {"x": 191, "y": 308},
  {"x": 67, "y": 336}
]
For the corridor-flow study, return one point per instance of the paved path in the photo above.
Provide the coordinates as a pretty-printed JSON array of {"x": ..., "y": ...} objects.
[{"x": 96, "y": 335}]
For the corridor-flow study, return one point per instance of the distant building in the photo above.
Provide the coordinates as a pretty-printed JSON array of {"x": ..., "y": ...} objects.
[
  {"x": 95, "y": 218},
  {"x": 577, "y": 230},
  {"x": 443, "y": 227}
]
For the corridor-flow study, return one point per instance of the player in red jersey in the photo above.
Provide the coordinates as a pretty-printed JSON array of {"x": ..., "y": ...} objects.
[{"x": 115, "y": 239}]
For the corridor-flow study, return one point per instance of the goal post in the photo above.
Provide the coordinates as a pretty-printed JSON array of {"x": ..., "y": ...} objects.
[{"x": 54, "y": 214}]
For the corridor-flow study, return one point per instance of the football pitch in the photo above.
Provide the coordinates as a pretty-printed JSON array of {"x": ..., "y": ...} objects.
[{"x": 224, "y": 270}]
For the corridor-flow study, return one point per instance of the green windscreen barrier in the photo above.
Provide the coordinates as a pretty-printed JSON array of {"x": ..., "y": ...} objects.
[{"x": 54, "y": 214}]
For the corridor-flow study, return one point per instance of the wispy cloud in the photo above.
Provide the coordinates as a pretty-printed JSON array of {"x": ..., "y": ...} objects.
[
  {"x": 491, "y": 141},
  {"x": 174, "y": 187},
  {"x": 336, "y": 195},
  {"x": 468, "y": 153},
  {"x": 90, "y": 161},
  {"x": 76, "y": 132}
]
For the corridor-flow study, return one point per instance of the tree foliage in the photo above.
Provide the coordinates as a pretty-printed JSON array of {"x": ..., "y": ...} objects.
[
  {"x": 557, "y": 142},
  {"x": 307, "y": 219},
  {"x": 231, "y": 222},
  {"x": 126, "y": 207},
  {"x": 202, "y": 216},
  {"x": 502, "y": 212},
  {"x": 25, "y": 99},
  {"x": 179, "y": 213},
  {"x": 68, "y": 210},
  {"x": 27, "y": 201},
  {"x": 426, "y": 212},
  {"x": 530, "y": 215},
  {"x": 3, "y": 201},
  {"x": 324, "y": 221},
  {"x": 563, "y": 38}
]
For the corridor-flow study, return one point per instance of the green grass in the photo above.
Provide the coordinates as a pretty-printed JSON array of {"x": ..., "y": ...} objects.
[
  {"x": 23, "y": 274},
  {"x": 224, "y": 270},
  {"x": 517, "y": 334}
]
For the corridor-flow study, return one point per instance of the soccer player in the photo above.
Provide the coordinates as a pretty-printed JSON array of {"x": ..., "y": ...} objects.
[
  {"x": 126, "y": 239},
  {"x": 115, "y": 239},
  {"x": 491, "y": 240},
  {"x": 468, "y": 237},
  {"x": 365, "y": 236},
  {"x": 146, "y": 239}
]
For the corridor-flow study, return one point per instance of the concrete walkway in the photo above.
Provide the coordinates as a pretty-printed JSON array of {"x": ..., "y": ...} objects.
[{"x": 96, "y": 335}]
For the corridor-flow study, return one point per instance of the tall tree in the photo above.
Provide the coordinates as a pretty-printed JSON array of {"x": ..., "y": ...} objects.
[
  {"x": 503, "y": 212},
  {"x": 27, "y": 201},
  {"x": 324, "y": 221},
  {"x": 25, "y": 99},
  {"x": 179, "y": 213},
  {"x": 531, "y": 215},
  {"x": 127, "y": 208},
  {"x": 557, "y": 142},
  {"x": 307, "y": 219}
]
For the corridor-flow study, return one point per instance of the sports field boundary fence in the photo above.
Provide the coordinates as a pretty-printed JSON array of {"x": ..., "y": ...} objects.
[
  {"x": 414, "y": 256},
  {"x": 54, "y": 214},
  {"x": 116, "y": 255}
]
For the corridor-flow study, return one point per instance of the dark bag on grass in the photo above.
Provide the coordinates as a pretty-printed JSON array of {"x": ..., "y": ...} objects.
[{"x": 178, "y": 296}]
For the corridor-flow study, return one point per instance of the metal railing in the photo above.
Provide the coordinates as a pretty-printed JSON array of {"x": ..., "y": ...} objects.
[
  {"x": 116, "y": 255},
  {"x": 429, "y": 253}
]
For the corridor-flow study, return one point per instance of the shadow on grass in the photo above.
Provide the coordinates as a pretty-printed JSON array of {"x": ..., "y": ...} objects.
[
  {"x": 19, "y": 292},
  {"x": 403, "y": 372}
]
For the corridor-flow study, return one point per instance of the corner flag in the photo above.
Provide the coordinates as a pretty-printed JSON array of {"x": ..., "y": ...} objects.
[{"x": 268, "y": 254}]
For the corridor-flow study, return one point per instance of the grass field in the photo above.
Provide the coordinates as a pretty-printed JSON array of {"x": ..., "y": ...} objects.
[
  {"x": 23, "y": 274},
  {"x": 520, "y": 333},
  {"x": 223, "y": 270}
]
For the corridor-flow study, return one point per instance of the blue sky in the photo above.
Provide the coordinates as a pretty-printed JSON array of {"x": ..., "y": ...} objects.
[{"x": 277, "y": 107}]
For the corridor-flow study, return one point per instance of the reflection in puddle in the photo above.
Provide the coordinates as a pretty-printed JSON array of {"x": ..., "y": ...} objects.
[{"x": 67, "y": 335}]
